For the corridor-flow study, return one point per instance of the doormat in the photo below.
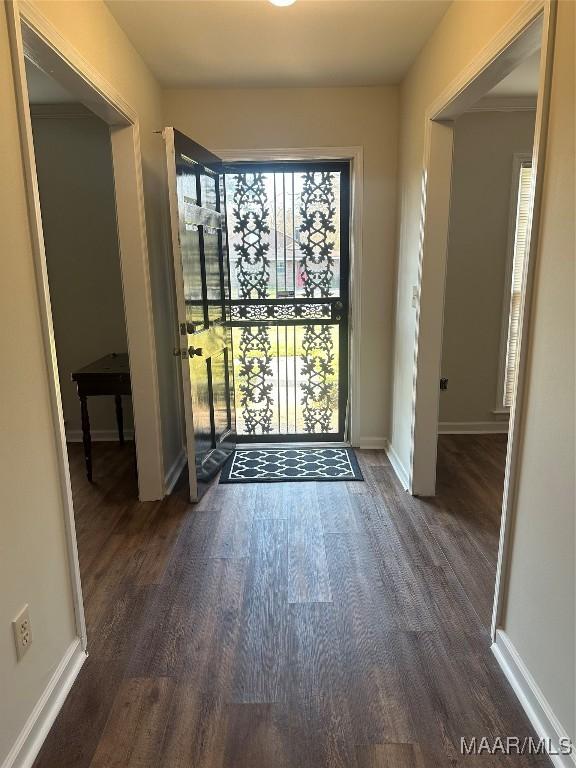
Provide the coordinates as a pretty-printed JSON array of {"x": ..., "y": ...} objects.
[{"x": 276, "y": 465}]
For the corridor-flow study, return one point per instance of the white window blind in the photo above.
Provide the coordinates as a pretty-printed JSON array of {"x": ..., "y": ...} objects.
[{"x": 521, "y": 237}]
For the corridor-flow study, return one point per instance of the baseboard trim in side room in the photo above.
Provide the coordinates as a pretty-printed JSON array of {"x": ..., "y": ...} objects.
[
  {"x": 473, "y": 427},
  {"x": 32, "y": 736},
  {"x": 532, "y": 700},
  {"x": 174, "y": 472},
  {"x": 98, "y": 435}
]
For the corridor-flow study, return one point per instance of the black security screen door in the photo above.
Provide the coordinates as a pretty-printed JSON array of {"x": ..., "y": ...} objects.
[{"x": 288, "y": 231}]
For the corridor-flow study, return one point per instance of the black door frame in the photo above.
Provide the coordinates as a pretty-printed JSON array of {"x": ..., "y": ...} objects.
[{"x": 338, "y": 307}]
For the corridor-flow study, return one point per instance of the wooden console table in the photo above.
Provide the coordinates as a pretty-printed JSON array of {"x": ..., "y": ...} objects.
[{"x": 109, "y": 375}]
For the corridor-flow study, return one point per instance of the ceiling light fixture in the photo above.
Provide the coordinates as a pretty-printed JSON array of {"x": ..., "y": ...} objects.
[{"x": 282, "y": 3}]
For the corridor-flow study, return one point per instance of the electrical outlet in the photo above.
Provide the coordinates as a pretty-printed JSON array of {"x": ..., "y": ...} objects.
[{"x": 22, "y": 632}]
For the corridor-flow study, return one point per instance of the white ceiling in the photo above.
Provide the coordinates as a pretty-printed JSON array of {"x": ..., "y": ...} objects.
[
  {"x": 42, "y": 89},
  {"x": 251, "y": 43},
  {"x": 521, "y": 82}
]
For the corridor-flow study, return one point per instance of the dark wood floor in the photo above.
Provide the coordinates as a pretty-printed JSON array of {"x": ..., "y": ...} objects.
[{"x": 296, "y": 625}]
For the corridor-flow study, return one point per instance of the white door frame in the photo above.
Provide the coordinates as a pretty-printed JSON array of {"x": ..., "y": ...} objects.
[
  {"x": 531, "y": 27},
  {"x": 31, "y": 34},
  {"x": 356, "y": 157}
]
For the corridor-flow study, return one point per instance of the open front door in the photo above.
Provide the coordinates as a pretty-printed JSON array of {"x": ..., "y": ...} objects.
[{"x": 201, "y": 271}]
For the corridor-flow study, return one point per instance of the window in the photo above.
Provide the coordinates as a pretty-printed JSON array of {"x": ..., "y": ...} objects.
[{"x": 522, "y": 215}]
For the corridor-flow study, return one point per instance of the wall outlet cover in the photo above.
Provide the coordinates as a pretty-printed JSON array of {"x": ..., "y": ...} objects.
[{"x": 22, "y": 632}]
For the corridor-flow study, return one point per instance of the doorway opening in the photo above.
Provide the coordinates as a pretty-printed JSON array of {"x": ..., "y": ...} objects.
[
  {"x": 281, "y": 298},
  {"x": 76, "y": 191},
  {"x": 480, "y": 211},
  {"x": 88, "y": 232},
  {"x": 289, "y": 250},
  {"x": 490, "y": 210}
]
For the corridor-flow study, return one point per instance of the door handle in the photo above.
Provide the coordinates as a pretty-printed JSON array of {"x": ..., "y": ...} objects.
[{"x": 195, "y": 351}]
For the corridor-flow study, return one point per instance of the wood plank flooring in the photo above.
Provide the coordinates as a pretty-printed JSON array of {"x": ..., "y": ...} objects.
[{"x": 297, "y": 625}]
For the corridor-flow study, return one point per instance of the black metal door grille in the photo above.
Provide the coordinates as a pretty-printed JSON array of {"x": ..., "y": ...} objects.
[{"x": 288, "y": 229}]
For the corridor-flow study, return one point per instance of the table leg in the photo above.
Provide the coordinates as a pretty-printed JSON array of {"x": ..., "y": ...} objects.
[
  {"x": 86, "y": 439},
  {"x": 119, "y": 418}
]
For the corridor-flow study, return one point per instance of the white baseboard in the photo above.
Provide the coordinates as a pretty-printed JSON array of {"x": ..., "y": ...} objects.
[
  {"x": 401, "y": 472},
  {"x": 373, "y": 443},
  {"x": 472, "y": 427},
  {"x": 172, "y": 475},
  {"x": 533, "y": 701},
  {"x": 98, "y": 435},
  {"x": 32, "y": 736}
]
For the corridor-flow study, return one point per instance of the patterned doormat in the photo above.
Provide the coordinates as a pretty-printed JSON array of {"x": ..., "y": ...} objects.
[{"x": 275, "y": 465}]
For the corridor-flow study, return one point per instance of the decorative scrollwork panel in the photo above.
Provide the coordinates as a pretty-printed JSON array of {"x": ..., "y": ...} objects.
[
  {"x": 251, "y": 244},
  {"x": 317, "y": 233},
  {"x": 319, "y": 382},
  {"x": 254, "y": 378},
  {"x": 253, "y": 312},
  {"x": 288, "y": 277}
]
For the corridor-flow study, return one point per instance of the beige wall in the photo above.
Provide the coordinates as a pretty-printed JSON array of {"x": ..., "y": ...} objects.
[
  {"x": 478, "y": 254},
  {"x": 33, "y": 557},
  {"x": 540, "y": 607},
  {"x": 540, "y": 600},
  {"x": 76, "y": 184},
  {"x": 33, "y": 562},
  {"x": 323, "y": 117}
]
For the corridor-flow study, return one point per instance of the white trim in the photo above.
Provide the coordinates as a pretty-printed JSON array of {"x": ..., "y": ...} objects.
[
  {"x": 42, "y": 717},
  {"x": 505, "y": 104},
  {"x": 356, "y": 157},
  {"x": 71, "y": 69},
  {"x": 519, "y": 38},
  {"x": 98, "y": 435},
  {"x": 45, "y": 309},
  {"x": 518, "y": 410},
  {"x": 531, "y": 27},
  {"x": 517, "y": 159},
  {"x": 33, "y": 35},
  {"x": 472, "y": 427},
  {"x": 174, "y": 472},
  {"x": 515, "y": 41},
  {"x": 432, "y": 258},
  {"x": 400, "y": 470},
  {"x": 533, "y": 701}
]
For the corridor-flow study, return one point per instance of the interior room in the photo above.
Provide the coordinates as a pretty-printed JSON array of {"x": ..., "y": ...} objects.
[
  {"x": 490, "y": 197},
  {"x": 76, "y": 191},
  {"x": 323, "y": 514}
]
